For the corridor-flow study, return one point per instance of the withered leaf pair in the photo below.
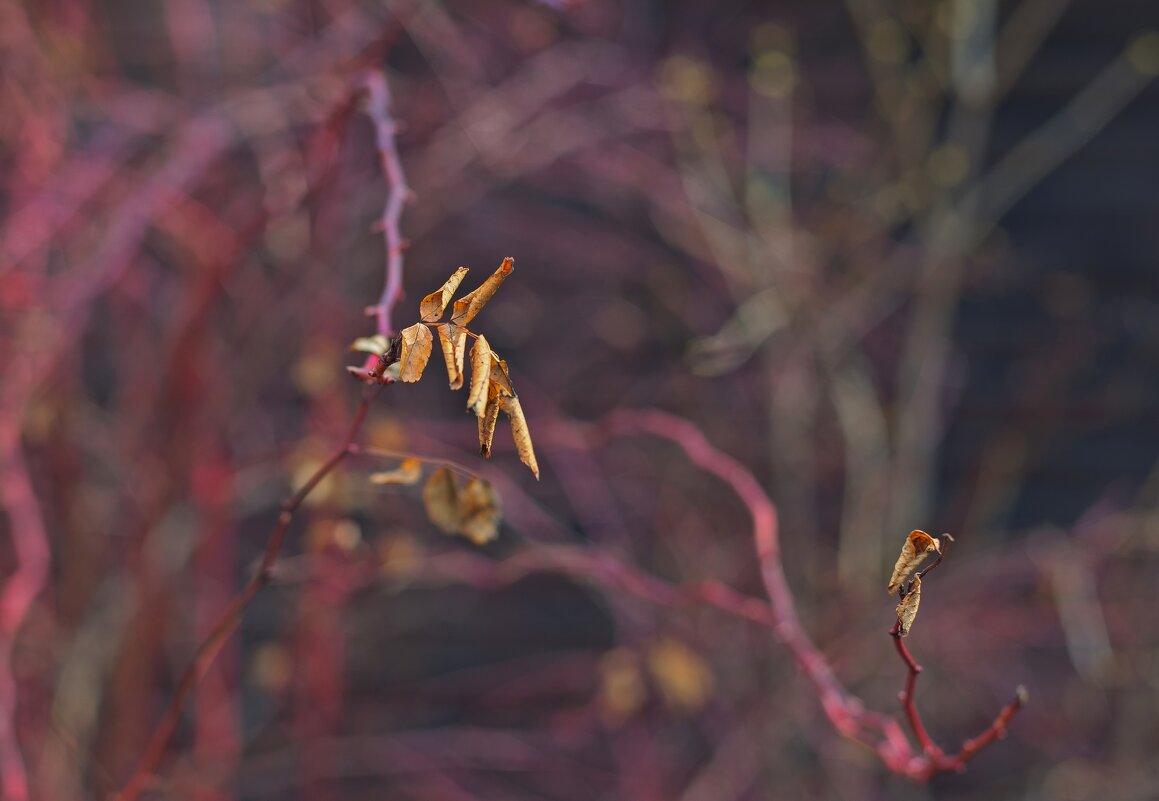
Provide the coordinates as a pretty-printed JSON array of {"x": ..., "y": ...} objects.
[
  {"x": 490, "y": 391},
  {"x": 470, "y": 510},
  {"x": 917, "y": 546}
]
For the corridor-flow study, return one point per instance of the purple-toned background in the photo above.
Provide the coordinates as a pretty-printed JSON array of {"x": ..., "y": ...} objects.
[{"x": 898, "y": 259}]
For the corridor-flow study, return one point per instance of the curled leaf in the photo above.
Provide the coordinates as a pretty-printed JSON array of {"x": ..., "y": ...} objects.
[
  {"x": 480, "y": 376},
  {"x": 440, "y": 499},
  {"x": 510, "y": 407},
  {"x": 907, "y": 609},
  {"x": 479, "y": 507},
  {"x": 417, "y": 343},
  {"x": 407, "y": 473},
  {"x": 453, "y": 341},
  {"x": 499, "y": 375},
  {"x": 488, "y": 420},
  {"x": 377, "y": 344},
  {"x": 471, "y": 510},
  {"x": 433, "y": 305},
  {"x": 916, "y": 546},
  {"x": 472, "y": 303}
]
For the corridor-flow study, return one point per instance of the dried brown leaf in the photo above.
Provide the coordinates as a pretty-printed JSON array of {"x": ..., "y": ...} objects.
[
  {"x": 488, "y": 420},
  {"x": 479, "y": 510},
  {"x": 440, "y": 497},
  {"x": 480, "y": 376},
  {"x": 471, "y": 511},
  {"x": 433, "y": 305},
  {"x": 472, "y": 303},
  {"x": 417, "y": 344},
  {"x": 499, "y": 375},
  {"x": 407, "y": 473},
  {"x": 377, "y": 344},
  {"x": 907, "y": 610},
  {"x": 453, "y": 341},
  {"x": 519, "y": 432},
  {"x": 916, "y": 546}
]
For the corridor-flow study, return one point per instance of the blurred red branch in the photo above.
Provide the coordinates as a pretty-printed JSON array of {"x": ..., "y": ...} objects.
[
  {"x": 378, "y": 102},
  {"x": 30, "y": 547},
  {"x": 378, "y": 109},
  {"x": 845, "y": 711},
  {"x": 229, "y": 620}
]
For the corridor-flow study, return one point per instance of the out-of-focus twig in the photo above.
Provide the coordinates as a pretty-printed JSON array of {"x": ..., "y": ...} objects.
[
  {"x": 229, "y": 620},
  {"x": 378, "y": 109},
  {"x": 231, "y": 617}
]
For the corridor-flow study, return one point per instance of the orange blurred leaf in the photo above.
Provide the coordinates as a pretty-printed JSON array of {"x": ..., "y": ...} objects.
[
  {"x": 907, "y": 610},
  {"x": 377, "y": 344},
  {"x": 472, "y": 303},
  {"x": 916, "y": 546},
  {"x": 407, "y": 473},
  {"x": 622, "y": 688},
  {"x": 416, "y": 350},
  {"x": 433, "y": 305},
  {"x": 480, "y": 376},
  {"x": 681, "y": 674},
  {"x": 453, "y": 341},
  {"x": 471, "y": 510}
]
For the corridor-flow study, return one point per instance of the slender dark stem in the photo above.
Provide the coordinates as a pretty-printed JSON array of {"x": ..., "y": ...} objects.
[
  {"x": 230, "y": 619},
  {"x": 934, "y": 760},
  {"x": 378, "y": 109}
]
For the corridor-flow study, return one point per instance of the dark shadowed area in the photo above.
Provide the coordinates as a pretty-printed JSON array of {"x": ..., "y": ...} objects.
[{"x": 791, "y": 279}]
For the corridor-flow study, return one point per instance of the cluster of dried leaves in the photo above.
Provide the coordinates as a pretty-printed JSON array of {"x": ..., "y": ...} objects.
[
  {"x": 405, "y": 357},
  {"x": 917, "y": 546},
  {"x": 472, "y": 509}
]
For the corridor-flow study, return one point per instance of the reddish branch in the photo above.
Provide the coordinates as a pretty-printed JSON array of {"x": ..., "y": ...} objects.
[
  {"x": 227, "y": 624},
  {"x": 378, "y": 100},
  {"x": 935, "y": 759},
  {"x": 845, "y": 711},
  {"x": 30, "y": 549}
]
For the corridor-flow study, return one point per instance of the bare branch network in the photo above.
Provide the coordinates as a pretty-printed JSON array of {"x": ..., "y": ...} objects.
[{"x": 472, "y": 510}]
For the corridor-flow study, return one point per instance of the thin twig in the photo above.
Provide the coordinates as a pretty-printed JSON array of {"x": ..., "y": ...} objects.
[
  {"x": 378, "y": 109},
  {"x": 228, "y": 622},
  {"x": 934, "y": 760}
]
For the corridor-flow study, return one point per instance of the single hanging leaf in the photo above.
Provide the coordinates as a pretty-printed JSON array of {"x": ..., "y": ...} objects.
[
  {"x": 417, "y": 344},
  {"x": 441, "y": 499},
  {"x": 377, "y": 344},
  {"x": 519, "y": 432},
  {"x": 471, "y": 511},
  {"x": 916, "y": 546},
  {"x": 407, "y": 473},
  {"x": 907, "y": 610},
  {"x": 453, "y": 341},
  {"x": 472, "y": 303},
  {"x": 479, "y": 511},
  {"x": 488, "y": 420},
  {"x": 480, "y": 376},
  {"x": 433, "y": 305}
]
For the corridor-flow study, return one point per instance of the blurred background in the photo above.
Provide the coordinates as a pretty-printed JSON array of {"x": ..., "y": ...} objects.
[{"x": 898, "y": 258}]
